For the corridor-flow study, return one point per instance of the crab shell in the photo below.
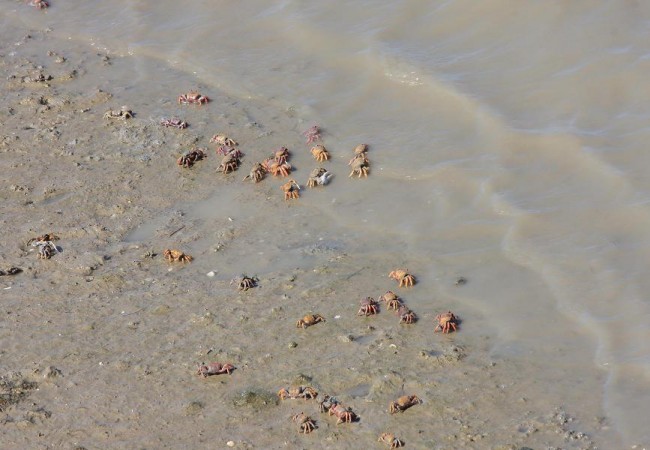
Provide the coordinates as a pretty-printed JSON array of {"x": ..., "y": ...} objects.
[
  {"x": 39, "y": 4},
  {"x": 176, "y": 255},
  {"x": 278, "y": 168},
  {"x": 344, "y": 414},
  {"x": 306, "y": 392},
  {"x": 403, "y": 403},
  {"x": 306, "y": 423},
  {"x": 44, "y": 238},
  {"x": 281, "y": 155},
  {"x": 222, "y": 139},
  {"x": 246, "y": 283},
  {"x": 256, "y": 174},
  {"x": 193, "y": 97},
  {"x": 319, "y": 152},
  {"x": 360, "y": 167},
  {"x": 391, "y": 299},
  {"x": 361, "y": 148},
  {"x": 402, "y": 277},
  {"x": 312, "y": 134},
  {"x": 229, "y": 163},
  {"x": 446, "y": 322},
  {"x": 46, "y": 250},
  {"x": 406, "y": 315},
  {"x": 309, "y": 320},
  {"x": 359, "y": 158},
  {"x": 291, "y": 189},
  {"x": 390, "y": 439},
  {"x": 214, "y": 368},
  {"x": 368, "y": 307}
]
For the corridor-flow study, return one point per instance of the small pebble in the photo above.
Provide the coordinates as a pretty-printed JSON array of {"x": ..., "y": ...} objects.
[
  {"x": 210, "y": 274},
  {"x": 230, "y": 443},
  {"x": 293, "y": 344}
]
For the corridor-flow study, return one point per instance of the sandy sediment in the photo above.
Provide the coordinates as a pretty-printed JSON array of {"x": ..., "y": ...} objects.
[{"x": 101, "y": 342}]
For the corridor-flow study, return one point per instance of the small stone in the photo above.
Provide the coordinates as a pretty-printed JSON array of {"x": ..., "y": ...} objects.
[
  {"x": 293, "y": 344},
  {"x": 211, "y": 273},
  {"x": 230, "y": 443},
  {"x": 194, "y": 408},
  {"x": 346, "y": 338}
]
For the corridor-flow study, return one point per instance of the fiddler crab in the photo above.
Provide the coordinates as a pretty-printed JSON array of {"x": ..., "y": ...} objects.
[
  {"x": 281, "y": 155},
  {"x": 177, "y": 256},
  {"x": 256, "y": 174},
  {"x": 360, "y": 166},
  {"x": 45, "y": 244},
  {"x": 318, "y": 177},
  {"x": 223, "y": 150},
  {"x": 319, "y": 152},
  {"x": 403, "y": 277},
  {"x": 446, "y": 322},
  {"x": 326, "y": 403},
  {"x": 291, "y": 189},
  {"x": 390, "y": 440},
  {"x": 39, "y": 4},
  {"x": 305, "y": 422},
  {"x": 403, "y": 403},
  {"x": 312, "y": 134},
  {"x": 244, "y": 283},
  {"x": 360, "y": 150},
  {"x": 214, "y": 368},
  {"x": 342, "y": 413},
  {"x": 368, "y": 307},
  {"x": 229, "y": 163},
  {"x": 230, "y": 151},
  {"x": 189, "y": 158},
  {"x": 360, "y": 154},
  {"x": 406, "y": 315},
  {"x": 44, "y": 237},
  {"x": 305, "y": 392},
  {"x": 122, "y": 113},
  {"x": 276, "y": 167},
  {"x": 192, "y": 97},
  {"x": 309, "y": 320},
  {"x": 222, "y": 139},
  {"x": 173, "y": 122},
  {"x": 391, "y": 300}
]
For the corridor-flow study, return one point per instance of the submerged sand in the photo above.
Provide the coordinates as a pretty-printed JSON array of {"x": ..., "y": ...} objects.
[{"x": 100, "y": 343}]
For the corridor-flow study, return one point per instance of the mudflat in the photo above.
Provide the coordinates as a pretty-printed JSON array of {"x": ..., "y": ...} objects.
[{"x": 102, "y": 342}]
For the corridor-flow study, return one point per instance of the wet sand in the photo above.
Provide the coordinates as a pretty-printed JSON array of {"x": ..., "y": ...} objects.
[{"x": 100, "y": 343}]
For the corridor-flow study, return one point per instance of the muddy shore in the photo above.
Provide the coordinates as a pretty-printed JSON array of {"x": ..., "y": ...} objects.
[{"x": 101, "y": 342}]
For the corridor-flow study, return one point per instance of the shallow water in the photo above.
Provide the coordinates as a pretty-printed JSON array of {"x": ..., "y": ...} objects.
[{"x": 506, "y": 140}]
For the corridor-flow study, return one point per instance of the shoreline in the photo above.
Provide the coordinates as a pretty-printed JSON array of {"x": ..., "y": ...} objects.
[{"x": 106, "y": 333}]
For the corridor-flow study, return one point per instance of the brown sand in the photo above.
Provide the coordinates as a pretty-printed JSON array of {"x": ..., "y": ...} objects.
[{"x": 100, "y": 343}]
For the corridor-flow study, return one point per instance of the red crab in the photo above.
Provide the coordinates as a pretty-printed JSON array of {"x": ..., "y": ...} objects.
[{"x": 446, "y": 322}]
